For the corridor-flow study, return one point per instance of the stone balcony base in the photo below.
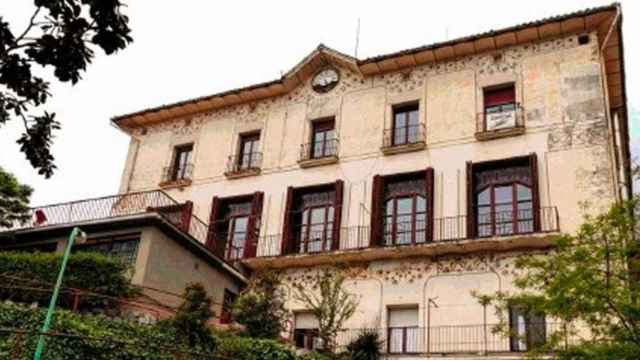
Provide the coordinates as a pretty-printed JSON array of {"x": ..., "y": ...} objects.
[
  {"x": 399, "y": 149},
  {"x": 309, "y": 163}
]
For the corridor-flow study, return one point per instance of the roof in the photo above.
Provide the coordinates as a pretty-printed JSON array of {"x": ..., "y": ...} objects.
[{"x": 598, "y": 19}]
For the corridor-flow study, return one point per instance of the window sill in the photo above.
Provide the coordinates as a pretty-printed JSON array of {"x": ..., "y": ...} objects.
[
  {"x": 171, "y": 184},
  {"x": 327, "y": 160},
  {"x": 399, "y": 149},
  {"x": 242, "y": 173},
  {"x": 496, "y": 134}
]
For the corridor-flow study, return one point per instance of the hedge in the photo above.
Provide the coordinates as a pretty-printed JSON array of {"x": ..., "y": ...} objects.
[
  {"x": 89, "y": 271},
  {"x": 244, "y": 348}
]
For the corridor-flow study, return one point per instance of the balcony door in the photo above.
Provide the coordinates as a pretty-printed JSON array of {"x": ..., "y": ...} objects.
[
  {"x": 249, "y": 148},
  {"x": 323, "y": 139},
  {"x": 406, "y": 125}
]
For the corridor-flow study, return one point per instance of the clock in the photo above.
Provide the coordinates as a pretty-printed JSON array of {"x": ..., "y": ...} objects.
[{"x": 325, "y": 80}]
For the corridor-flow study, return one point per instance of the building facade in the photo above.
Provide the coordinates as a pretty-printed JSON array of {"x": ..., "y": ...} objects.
[{"x": 421, "y": 175}]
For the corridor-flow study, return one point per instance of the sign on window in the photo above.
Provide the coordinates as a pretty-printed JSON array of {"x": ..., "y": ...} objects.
[{"x": 500, "y": 120}]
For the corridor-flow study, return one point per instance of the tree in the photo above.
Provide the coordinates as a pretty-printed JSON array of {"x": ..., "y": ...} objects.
[
  {"x": 330, "y": 303},
  {"x": 191, "y": 319},
  {"x": 587, "y": 282},
  {"x": 260, "y": 307},
  {"x": 14, "y": 200},
  {"x": 61, "y": 34}
]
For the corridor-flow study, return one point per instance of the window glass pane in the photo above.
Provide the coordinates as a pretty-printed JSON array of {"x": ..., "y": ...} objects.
[
  {"x": 421, "y": 204},
  {"x": 400, "y": 135},
  {"x": 317, "y": 215},
  {"x": 395, "y": 340},
  {"x": 413, "y": 117},
  {"x": 503, "y": 194},
  {"x": 400, "y": 120},
  {"x": 524, "y": 192},
  {"x": 405, "y": 205},
  {"x": 484, "y": 197},
  {"x": 389, "y": 207}
]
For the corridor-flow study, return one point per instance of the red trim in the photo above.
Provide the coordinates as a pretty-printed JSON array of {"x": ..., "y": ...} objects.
[
  {"x": 377, "y": 196},
  {"x": 211, "y": 236},
  {"x": 337, "y": 214},
  {"x": 471, "y": 228},
  {"x": 429, "y": 179},
  {"x": 286, "y": 224},
  {"x": 535, "y": 191}
]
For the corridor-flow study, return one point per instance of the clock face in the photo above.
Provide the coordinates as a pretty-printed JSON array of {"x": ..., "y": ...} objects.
[{"x": 325, "y": 80}]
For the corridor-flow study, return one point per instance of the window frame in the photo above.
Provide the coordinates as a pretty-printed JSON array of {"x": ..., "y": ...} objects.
[
  {"x": 179, "y": 167},
  {"x": 306, "y": 224},
  {"x": 405, "y": 110},
  {"x": 414, "y": 215},
  {"x": 515, "y": 212},
  {"x": 228, "y": 298},
  {"x": 500, "y": 107},
  {"x": 404, "y": 330},
  {"x": 531, "y": 329},
  {"x": 253, "y": 139},
  {"x": 323, "y": 126}
]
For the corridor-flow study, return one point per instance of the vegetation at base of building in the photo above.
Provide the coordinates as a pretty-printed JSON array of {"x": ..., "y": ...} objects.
[
  {"x": 14, "y": 200},
  {"x": 190, "y": 320},
  {"x": 29, "y": 278},
  {"x": 61, "y": 35},
  {"x": 366, "y": 346},
  {"x": 260, "y": 307},
  {"x": 245, "y": 348},
  {"x": 589, "y": 281},
  {"x": 330, "y": 303}
]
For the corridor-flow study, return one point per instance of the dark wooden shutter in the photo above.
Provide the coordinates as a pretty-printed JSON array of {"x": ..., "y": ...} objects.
[
  {"x": 185, "y": 216},
  {"x": 429, "y": 182},
  {"x": 337, "y": 214},
  {"x": 500, "y": 96},
  {"x": 213, "y": 236},
  {"x": 471, "y": 231},
  {"x": 535, "y": 192},
  {"x": 287, "y": 228},
  {"x": 253, "y": 227},
  {"x": 377, "y": 196}
]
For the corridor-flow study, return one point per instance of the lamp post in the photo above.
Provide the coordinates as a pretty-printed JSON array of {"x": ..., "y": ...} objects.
[{"x": 81, "y": 237}]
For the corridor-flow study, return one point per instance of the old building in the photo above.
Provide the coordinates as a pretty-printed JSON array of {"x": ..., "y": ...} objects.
[{"x": 420, "y": 174}]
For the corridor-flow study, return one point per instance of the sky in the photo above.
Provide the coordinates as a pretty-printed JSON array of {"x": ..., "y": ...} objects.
[{"x": 193, "y": 48}]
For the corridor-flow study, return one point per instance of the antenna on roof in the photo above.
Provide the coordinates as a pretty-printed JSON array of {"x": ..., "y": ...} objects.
[{"x": 357, "y": 38}]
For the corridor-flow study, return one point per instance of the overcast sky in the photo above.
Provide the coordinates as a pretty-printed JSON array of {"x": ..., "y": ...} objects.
[{"x": 188, "y": 48}]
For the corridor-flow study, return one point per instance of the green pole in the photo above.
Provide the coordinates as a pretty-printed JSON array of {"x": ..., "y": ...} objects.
[{"x": 54, "y": 297}]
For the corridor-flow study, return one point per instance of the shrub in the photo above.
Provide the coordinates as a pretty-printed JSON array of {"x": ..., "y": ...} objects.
[
  {"x": 190, "y": 321},
  {"x": 89, "y": 271},
  {"x": 366, "y": 346},
  {"x": 243, "y": 348},
  {"x": 316, "y": 356}
]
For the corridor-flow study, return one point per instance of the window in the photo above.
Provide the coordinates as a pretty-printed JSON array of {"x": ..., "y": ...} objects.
[
  {"x": 527, "y": 329},
  {"x": 305, "y": 333},
  {"x": 249, "y": 156},
  {"x": 499, "y": 108},
  {"x": 323, "y": 139},
  {"x": 181, "y": 162},
  {"x": 406, "y": 125},
  {"x": 312, "y": 218},
  {"x": 505, "y": 197},
  {"x": 238, "y": 220},
  {"x": 227, "y": 304},
  {"x": 123, "y": 247},
  {"x": 403, "y": 332},
  {"x": 405, "y": 212}
]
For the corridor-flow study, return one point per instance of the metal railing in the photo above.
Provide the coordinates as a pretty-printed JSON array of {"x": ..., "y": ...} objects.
[
  {"x": 319, "y": 149},
  {"x": 456, "y": 339},
  {"x": 117, "y": 206},
  {"x": 244, "y": 162},
  {"x": 403, "y": 135},
  {"x": 177, "y": 173},
  {"x": 509, "y": 116},
  {"x": 446, "y": 229}
]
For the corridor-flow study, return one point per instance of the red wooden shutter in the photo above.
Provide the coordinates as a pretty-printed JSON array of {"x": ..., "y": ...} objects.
[
  {"x": 535, "y": 192},
  {"x": 185, "y": 216},
  {"x": 337, "y": 214},
  {"x": 499, "y": 96},
  {"x": 287, "y": 237},
  {"x": 253, "y": 227},
  {"x": 429, "y": 182},
  {"x": 471, "y": 231},
  {"x": 377, "y": 195},
  {"x": 213, "y": 215}
]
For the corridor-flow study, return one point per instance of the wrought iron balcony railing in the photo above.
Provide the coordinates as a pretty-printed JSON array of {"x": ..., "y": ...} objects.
[
  {"x": 319, "y": 150},
  {"x": 403, "y": 136},
  {"x": 171, "y": 174},
  {"x": 501, "y": 118},
  {"x": 241, "y": 163},
  {"x": 446, "y": 229}
]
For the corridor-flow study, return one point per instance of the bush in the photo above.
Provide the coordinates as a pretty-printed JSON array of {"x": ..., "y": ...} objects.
[
  {"x": 92, "y": 337},
  {"x": 366, "y": 346},
  {"x": 89, "y": 271},
  {"x": 316, "y": 356},
  {"x": 191, "y": 319},
  {"x": 243, "y": 348}
]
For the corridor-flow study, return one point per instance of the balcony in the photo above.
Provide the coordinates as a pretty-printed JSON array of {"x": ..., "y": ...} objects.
[
  {"x": 477, "y": 339},
  {"x": 450, "y": 235},
  {"x": 86, "y": 212},
  {"x": 403, "y": 139},
  {"x": 319, "y": 153},
  {"x": 243, "y": 165},
  {"x": 177, "y": 176},
  {"x": 500, "y": 121}
]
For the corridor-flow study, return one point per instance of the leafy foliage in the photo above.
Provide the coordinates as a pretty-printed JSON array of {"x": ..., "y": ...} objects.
[
  {"x": 22, "y": 274},
  {"x": 62, "y": 35},
  {"x": 332, "y": 305},
  {"x": 244, "y": 348},
  {"x": 14, "y": 200},
  {"x": 260, "y": 307},
  {"x": 191, "y": 319},
  {"x": 588, "y": 280},
  {"x": 366, "y": 346}
]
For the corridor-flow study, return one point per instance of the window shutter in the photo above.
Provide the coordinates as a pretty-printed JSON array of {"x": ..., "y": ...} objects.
[
  {"x": 185, "y": 216},
  {"x": 287, "y": 237},
  {"x": 429, "y": 182},
  {"x": 337, "y": 214},
  {"x": 253, "y": 227},
  {"x": 377, "y": 195},
  {"x": 471, "y": 231},
  {"x": 535, "y": 192},
  {"x": 499, "y": 96},
  {"x": 212, "y": 235}
]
